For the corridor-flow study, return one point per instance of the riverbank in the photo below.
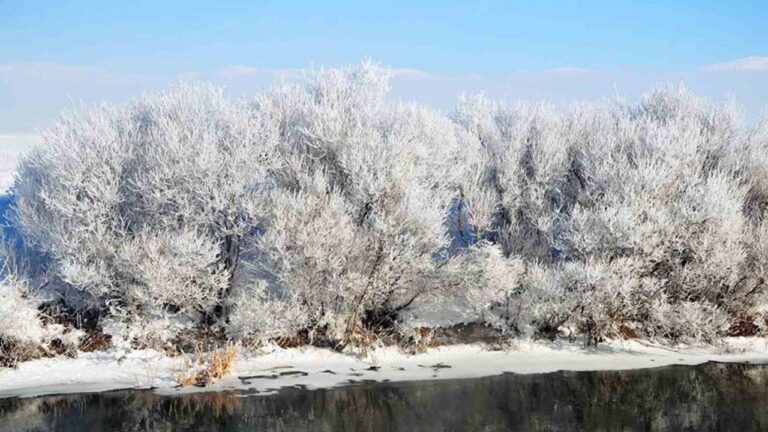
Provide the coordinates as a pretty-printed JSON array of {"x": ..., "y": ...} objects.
[{"x": 272, "y": 368}]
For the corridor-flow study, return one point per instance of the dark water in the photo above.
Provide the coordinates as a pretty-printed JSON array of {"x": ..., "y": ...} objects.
[{"x": 714, "y": 396}]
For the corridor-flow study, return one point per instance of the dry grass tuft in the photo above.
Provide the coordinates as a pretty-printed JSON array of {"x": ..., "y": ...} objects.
[
  {"x": 185, "y": 378},
  {"x": 204, "y": 368},
  {"x": 363, "y": 338},
  {"x": 96, "y": 341},
  {"x": 419, "y": 341},
  {"x": 744, "y": 326},
  {"x": 13, "y": 352},
  {"x": 223, "y": 362}
]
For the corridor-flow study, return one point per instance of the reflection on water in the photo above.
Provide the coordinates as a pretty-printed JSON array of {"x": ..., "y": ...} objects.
[{"x": 713, "y": 396}]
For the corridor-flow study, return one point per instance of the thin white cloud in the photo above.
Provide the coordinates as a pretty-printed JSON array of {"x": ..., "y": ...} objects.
[
  {"x": 236, "y": 71},
  {"x": 748, "y": 64},
  {"x": 412, "y": 73},
  {"x": 531, "y": 74}
]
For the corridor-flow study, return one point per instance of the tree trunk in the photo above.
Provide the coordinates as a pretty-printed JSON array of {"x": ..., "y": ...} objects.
[{"x": 230, "y": 258}]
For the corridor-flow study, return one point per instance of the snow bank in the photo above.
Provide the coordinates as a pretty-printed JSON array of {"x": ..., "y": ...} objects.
[{"x": 317, "y": 368}]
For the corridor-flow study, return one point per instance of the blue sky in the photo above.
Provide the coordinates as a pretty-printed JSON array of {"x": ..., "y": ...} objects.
[
  {"x": 441, "y": 36},
  {"x": 55, "y": 52}
]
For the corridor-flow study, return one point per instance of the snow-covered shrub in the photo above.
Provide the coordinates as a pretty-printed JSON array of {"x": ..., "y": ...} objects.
[
  {"x": 142, "y": 206},
  {"x": 325, "y": 209},
  {"x": 750, "y": 294},
  {"x": 605, "y": 304},
  {"x": 471, "y": 286},
  {"x": 546, "y": 299},
  {"x": 593, "y": 296},
  {"x": 257, "y": 312},
  {"x": 336, "y": 200},
  {"x": 478, "y": 278},
  {"x": 313, "y": 259},
  {"x": 172, "y": 268},
  {"x": 516, "y": 192},
  {"x": 21, "y": 330},
  {"x": 19, "y": 318},
  {"x": 357, "y": 227},
  {"x": 613, "y": 207},
  {"x": 686, "y": 321},
  {"x": 23, "y": 333},
  {"x": 662, "y": 193}
]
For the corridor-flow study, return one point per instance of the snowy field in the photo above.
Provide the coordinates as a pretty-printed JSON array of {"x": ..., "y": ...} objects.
[
  {"x": 11, "y": 147},
  {"x": 317, "y": 368},
  {"x": 8, "y": 161}
]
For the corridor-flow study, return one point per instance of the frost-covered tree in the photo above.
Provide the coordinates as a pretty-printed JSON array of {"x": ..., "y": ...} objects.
[
  {"x": 663, "y": 193},
  {"x": 624, "y": 207},
  {"x": 357, "y": 229},
  {"x": 517, "y": 190},
  {"x": 142, "y": 206},
  {"x": 328, "y": 210},
  {"x": 336, "y": 201}
]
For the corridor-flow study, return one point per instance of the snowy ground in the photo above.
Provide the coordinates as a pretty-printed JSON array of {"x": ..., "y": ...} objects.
[
  {"x": 315, "y": 368},
  {"x": 8, "y": 161},
  {"x": 11, "y": 147}
]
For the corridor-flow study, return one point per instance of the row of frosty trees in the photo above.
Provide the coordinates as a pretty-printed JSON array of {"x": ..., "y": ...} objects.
[{"x": 325, "y": 209}]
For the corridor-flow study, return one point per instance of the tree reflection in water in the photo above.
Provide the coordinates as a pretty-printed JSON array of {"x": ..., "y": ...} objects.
[{"x": 713, "y": 396}]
